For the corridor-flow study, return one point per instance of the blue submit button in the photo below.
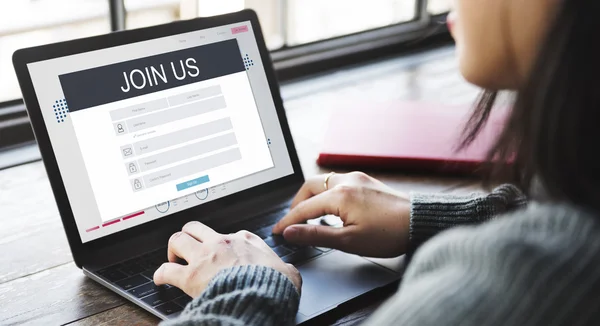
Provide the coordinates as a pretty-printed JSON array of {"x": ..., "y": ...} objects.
[{"x": 192, "y": 183}]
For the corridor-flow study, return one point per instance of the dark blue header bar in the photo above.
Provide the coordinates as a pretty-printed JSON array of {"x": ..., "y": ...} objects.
[{"x": 92, "y": 87}]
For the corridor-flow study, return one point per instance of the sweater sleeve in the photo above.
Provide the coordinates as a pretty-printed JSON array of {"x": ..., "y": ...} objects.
[
  {"x": 243, "y": 295},
  {"x": 432, "y": 213}
]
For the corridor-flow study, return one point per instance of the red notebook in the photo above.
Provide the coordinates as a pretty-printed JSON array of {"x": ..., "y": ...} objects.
[{"x": 405, "y": 136}]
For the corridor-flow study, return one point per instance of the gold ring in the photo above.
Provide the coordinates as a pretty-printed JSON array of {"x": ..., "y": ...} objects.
[{"x": 325, "y": 185}]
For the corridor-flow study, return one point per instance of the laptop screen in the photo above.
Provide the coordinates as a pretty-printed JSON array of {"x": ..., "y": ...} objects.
[{"x": 147, "y": 129}]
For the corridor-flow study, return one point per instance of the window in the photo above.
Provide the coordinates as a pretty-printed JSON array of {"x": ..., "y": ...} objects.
[
  {"x": 285, "y": 23},
  {"x": 436, "y": 7},
  {"x": 300, "y": 33},
  {"x": 340, "y": 17},
  {"x": 30, "y": 23},
  {"x": 142, "y": 13}
]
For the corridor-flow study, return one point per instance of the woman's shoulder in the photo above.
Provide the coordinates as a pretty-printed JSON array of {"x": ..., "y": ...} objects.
[
  {"x": 553, "y": 218},
  {"x": 546, "y": 234},
  {"x": 542, "y": 222},
  {"x": 533, "y": 266}
]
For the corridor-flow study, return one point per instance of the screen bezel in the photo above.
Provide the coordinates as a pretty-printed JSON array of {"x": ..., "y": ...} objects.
[{"x": 81, "y": 250}]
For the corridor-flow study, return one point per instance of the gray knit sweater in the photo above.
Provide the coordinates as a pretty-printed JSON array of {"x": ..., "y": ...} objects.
[{"x": 535, "y": 265}]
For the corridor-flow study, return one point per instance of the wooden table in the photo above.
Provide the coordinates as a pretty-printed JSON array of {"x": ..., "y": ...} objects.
[{"x": 39, "y": 284}]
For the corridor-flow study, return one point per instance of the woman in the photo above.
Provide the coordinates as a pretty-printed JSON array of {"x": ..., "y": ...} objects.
[{"x": 535, "y": 265}]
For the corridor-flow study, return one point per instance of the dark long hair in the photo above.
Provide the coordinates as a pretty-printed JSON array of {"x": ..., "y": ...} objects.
[{"x": 553, "y": 132}]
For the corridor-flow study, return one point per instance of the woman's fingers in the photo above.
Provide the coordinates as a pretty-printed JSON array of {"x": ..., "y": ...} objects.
[
  {"x": 182, "y": 245},
  {"x": 317, "y": 235},
  {"x": 200, "y": 231},
  {"x": 317, "y": 206},
  {"x": 307, "y": 190},
  {"x": 315, "y": 186},
  {"x": 170, "y": 273}
]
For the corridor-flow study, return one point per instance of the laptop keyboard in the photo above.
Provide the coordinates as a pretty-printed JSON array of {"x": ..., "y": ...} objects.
[{"x": 135, "y": 275}]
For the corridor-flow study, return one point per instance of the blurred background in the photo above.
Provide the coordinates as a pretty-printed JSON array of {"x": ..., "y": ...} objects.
[
  {"x": 286, "y": 23},
  {"x": 306, "y": 38}
]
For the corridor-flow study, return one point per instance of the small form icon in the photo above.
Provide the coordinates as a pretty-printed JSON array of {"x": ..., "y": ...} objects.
[
  {"x": 132, "y": 168},
  {"x": 137, "y": 184},
  {"x": 163, "y": 207},
  {"x": 202, "y": 194},
  {"x": 120, "y": 128},
  {"x": 127, "y": 151}
]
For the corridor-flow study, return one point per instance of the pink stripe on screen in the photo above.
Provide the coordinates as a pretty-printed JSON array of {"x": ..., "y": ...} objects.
[
  {"x": 111, "y": 222},
  {"x": 133, "y": 215}
]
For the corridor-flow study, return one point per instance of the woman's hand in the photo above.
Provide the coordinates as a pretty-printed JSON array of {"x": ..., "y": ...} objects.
[
  {"x": 207, "y": 252},
  {"x": 376, "y": 218}
]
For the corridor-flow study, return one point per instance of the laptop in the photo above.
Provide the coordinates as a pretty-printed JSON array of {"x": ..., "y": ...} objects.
[
  {"x": 144, "y": 130},
  {"x": 423, "y": 137}
]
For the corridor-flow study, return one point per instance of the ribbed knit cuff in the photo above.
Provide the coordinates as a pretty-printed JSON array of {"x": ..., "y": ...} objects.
[
  {"x": 252, "y": 294},
  {"x": 433, "y": 213}
]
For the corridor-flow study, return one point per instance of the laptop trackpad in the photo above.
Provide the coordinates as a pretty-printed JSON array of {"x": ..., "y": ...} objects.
[{"x": 336, "y": 278}]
